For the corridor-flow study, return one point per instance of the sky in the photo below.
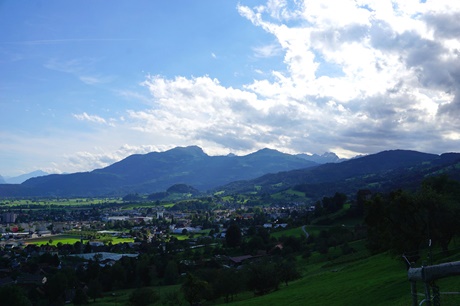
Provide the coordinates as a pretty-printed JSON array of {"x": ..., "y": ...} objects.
[{"x": 84, "y": 84}]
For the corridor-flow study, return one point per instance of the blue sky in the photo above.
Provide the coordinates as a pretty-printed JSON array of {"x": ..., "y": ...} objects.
[{"x": 86, "y": 83}]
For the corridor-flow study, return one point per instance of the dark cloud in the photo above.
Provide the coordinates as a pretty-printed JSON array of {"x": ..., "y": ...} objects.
[
  {"x": 444, "y": 25},
  {"x": 383, "y": 37},
  {"x": 226, "y": 138},
  {"x": 389, "y": 122},
  {"x": 435, "y": 66},
  {"x": 451, "y": 110}
]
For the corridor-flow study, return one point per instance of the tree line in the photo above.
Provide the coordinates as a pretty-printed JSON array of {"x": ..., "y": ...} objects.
[{"x": 407, "y": 222}]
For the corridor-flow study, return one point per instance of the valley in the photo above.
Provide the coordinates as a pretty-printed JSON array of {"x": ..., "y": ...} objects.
[{"x": 267, "y": 240}]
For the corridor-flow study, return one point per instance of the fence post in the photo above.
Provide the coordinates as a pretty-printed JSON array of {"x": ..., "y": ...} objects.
[
  {"x": 413, "y": 291},
  {"x": 427, "y": 294}
]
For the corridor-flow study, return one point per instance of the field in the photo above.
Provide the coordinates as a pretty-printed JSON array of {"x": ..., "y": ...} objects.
[
  {"x": 313, "y": 230},
  {"x": 69, "y": 239},
  {"x": 297, "y": 231},
  {"x": 58, "y": 203}
]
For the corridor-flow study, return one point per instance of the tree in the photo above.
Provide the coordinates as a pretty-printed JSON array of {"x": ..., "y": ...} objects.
[
  {"x": 396, "y": 223},
  {"x": 440, "y": 197},
  {"x": 233, "y": 236},
  {"x": 362, "y": 196},
  {"x": 194, "y": 289},
  {"x": 227, "y": 283},
  {"x": 55, "y": 287},
  {"x": 287, "y": 271},
  {"x": 405, "y": 222},
  {"x": 171, "y": 273},
  {"x": 254, "y": 244},
  {"x": 263, "y": 277},
  {"x": 335, "y": 203}
]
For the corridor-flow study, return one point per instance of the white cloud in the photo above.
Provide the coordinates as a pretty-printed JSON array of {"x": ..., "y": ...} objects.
[
  {"x": 391, "y": 69},
  {"x": 99, "y": 157},
  {"x": 94, "y": 80},
  {"x": 267, "y": 51},
  {"x": 92, "y": 118},
  {"x": 358, "y": 76}
]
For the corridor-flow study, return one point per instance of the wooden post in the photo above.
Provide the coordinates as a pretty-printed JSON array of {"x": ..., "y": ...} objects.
[
  {"x": 427, "y": 294},
  {"x": 413, "y": 291}
]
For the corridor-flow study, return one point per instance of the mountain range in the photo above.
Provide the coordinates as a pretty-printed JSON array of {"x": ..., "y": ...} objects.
[
  {"x": 264, "y": 171},
  {"x": 156, "y": 171},
  {"x": 380, "y": 172}
]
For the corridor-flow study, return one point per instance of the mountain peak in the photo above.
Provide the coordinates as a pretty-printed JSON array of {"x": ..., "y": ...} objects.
[
  {"x": 266, "y": 152},
  {"x": 330, "y": 155},
  {"x": 192, "y": 150},
  {"x": 327, "y": 157},
  {"x": 24, "y": 177}
]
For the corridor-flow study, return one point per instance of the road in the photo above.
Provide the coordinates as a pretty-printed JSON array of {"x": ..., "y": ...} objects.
[{"x": 306, "y": 233}]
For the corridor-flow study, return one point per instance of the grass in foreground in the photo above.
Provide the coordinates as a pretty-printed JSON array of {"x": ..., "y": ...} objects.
[{"x": 377, "y": 280}]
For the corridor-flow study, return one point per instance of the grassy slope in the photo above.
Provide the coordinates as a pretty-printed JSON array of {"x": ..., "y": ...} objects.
[
  {"x": 377, "y": 280},
  {"x": 296, "y": 232}
]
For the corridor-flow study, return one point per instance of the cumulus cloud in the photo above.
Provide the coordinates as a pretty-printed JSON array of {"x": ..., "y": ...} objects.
[{"x": 358, "y": 76}]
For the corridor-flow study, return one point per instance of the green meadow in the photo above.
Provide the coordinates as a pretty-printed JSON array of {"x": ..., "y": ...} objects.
[
  {"x": 297, "y": 231},
  {"x": 58, "y": 203},
  {"x": 376, "y": 280},
  {"x": 71, "y": 239}
]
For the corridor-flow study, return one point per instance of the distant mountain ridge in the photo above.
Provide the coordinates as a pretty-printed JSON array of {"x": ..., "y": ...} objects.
[
  {"x": 157, "y": 171},
  {"x": 382, "y": 171},
  {"x": 23, "y": 177},
  {"x": 328, "y": 157},
  {"x": 264, "y": 171}
]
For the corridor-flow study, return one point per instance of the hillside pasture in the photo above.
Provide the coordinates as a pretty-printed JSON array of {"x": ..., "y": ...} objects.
[
  {"x": 296, "y": 232},
  {"x": 377, "y": 280}
]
